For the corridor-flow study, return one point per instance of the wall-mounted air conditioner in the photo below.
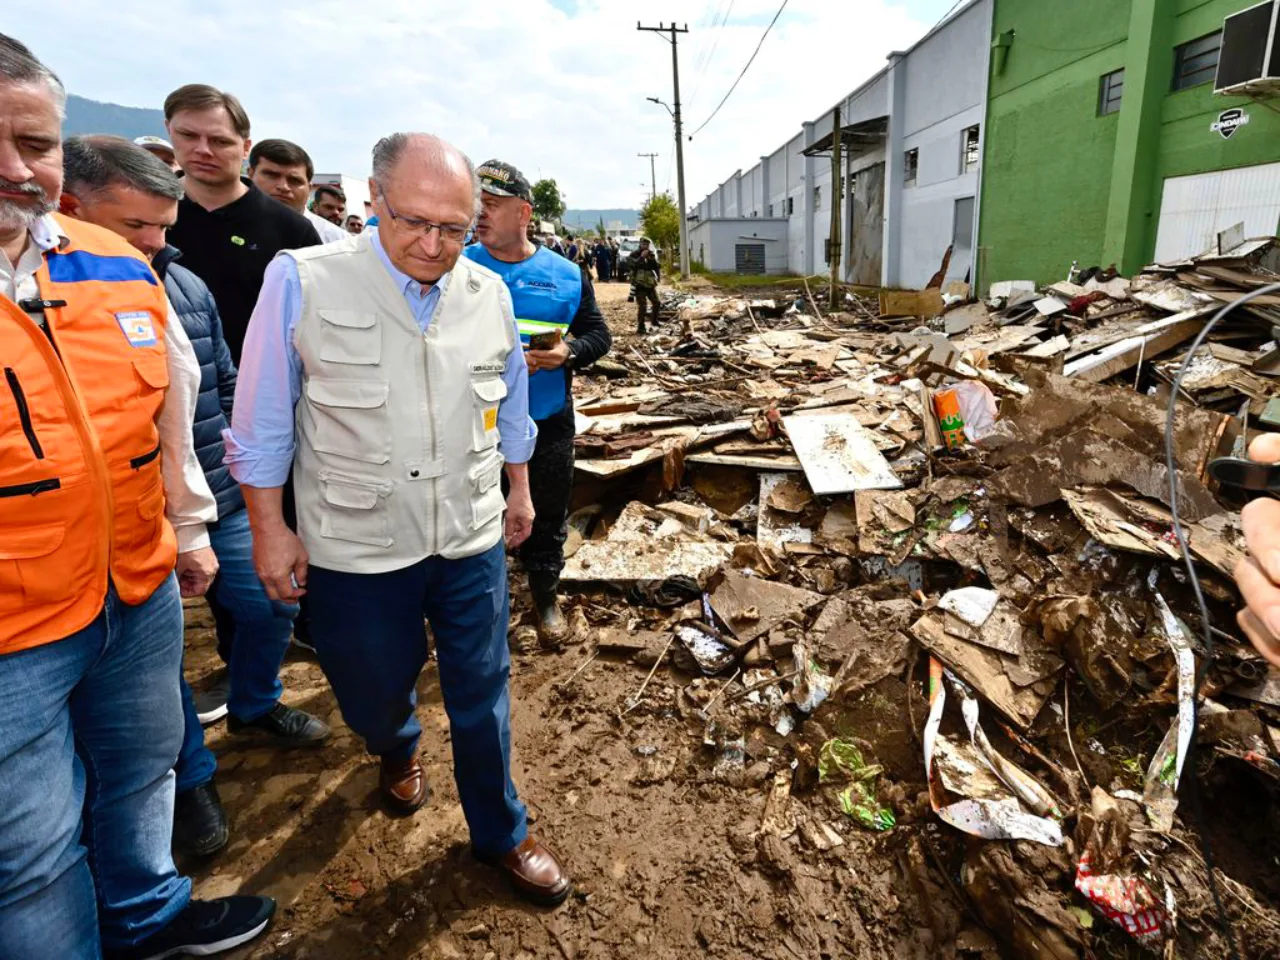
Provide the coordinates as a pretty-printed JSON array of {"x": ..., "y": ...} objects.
[{"x": 1249, "y": 64}]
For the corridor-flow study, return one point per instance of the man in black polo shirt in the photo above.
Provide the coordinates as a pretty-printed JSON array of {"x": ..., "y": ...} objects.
[{"x": 227, "y": 229}]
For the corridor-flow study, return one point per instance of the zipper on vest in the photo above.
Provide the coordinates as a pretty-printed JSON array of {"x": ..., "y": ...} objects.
[
  {"x": 24, "y": 413},
  {"x": 137, "y": 463}
]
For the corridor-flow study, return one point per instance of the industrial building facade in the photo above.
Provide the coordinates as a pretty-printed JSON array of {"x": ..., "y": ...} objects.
[
  {"x": 924, "y": 111},
  {"x": 1106, "y": 142},
  {"x": 1027, "y": 136}
]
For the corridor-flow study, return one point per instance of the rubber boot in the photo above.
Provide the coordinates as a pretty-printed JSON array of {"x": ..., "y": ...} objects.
[{"x": 544, "y": 587}]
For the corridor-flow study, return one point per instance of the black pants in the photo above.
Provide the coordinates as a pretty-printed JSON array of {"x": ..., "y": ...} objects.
[
  {"x": 551, "y": 484},
  {"x": 644, "y": 297}
]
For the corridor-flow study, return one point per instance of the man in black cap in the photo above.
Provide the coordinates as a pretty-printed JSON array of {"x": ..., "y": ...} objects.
[{"x": 553, "y": 299}]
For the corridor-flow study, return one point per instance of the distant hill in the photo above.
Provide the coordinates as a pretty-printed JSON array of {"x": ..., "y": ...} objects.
[
  {"x": 92, "y": 116},
  {"x": 589, "y": 218}
]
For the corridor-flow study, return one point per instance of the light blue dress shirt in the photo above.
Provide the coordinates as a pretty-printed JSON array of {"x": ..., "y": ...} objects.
[{"x": 260, "y": 443}]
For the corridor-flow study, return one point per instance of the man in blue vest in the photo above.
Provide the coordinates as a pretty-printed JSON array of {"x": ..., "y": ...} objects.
[
  {"x": 553, "y": 300},
  {"x": 118, "y": 185}
]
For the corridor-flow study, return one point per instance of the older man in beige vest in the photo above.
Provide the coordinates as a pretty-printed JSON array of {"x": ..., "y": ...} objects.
[{"x": 388, "y": 374}]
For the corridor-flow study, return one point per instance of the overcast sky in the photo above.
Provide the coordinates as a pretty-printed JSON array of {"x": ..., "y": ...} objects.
[{"x": 557, "y": 87}]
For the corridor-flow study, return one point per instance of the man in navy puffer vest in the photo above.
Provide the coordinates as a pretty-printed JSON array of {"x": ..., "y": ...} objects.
[{"x": 119, "y": 186}]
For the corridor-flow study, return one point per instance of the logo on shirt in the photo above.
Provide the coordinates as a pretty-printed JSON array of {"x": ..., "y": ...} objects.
[
  {"x": 487, "y": 367},
  {"x": 137, "y": 327},
  {"x": 539, "y": 284}
]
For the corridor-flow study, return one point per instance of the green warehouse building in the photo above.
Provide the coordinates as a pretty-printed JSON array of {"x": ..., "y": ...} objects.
[{"x": 1126, "y": 131}]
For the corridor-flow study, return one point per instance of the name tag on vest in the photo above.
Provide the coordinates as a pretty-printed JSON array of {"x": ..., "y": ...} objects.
[
  {"x": 137, "y": 327},
  {"x": 489, "y": 367}
]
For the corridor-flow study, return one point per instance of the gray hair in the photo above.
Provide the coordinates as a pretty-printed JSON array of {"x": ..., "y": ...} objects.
[
  {"x": 20, "y": 65},
  {"x": 94, "y": 164},
  {"x": 388, "y": 150}
]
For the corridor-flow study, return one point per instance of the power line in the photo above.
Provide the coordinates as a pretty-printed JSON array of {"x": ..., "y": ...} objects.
[
  {"x": 744, "y": 70},
  {"x": 717, "y": 30}
]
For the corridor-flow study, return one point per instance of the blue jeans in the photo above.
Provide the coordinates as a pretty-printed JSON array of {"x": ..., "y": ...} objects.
[
  {"x": 369, "y": 637},
  {"x": 262, "y": 628},
  {"x": 89, "y": 729}
]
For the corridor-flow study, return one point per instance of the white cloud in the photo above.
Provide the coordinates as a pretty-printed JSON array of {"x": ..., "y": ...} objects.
[{"x": 557, "y": 95}]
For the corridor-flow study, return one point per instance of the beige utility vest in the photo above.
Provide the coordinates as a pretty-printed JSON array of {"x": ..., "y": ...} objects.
[{"x": 397, "y": 431}]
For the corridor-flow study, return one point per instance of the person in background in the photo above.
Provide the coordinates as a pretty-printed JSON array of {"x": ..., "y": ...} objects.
[
  {"x": 354, "y": 224},
  {"x": 613, "y": 259},
  {"x": 645, "y": 272},
  {"x": 283, "y": 170},
  {"x": 103, "y": 523},
  {"x": 571, "y": 248},
  {"x": 329, "y": 203},
  {"x": 399, "y": 501},
  {"x": 604, "y": 267},
  {"x": 111, "y": 183},
  {"x": 228, "y": 231},
  {"x": 160, "y": 148},
  {"x": 552, "y": 301}
]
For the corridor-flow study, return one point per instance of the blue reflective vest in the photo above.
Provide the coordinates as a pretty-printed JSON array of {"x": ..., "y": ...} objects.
[{"x": 546, "y": 290}]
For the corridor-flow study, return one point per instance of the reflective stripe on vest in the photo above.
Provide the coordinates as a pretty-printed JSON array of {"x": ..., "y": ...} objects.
[
  {"x": 546, "y": 291},
  {"x": 81, "y": 495}
]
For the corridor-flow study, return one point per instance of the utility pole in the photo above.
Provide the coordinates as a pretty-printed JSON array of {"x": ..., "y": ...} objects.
[
  {"x": 653, "y": 175},
  {"x": 675, "y": 75},
  {"x": 837, "y": 191}
]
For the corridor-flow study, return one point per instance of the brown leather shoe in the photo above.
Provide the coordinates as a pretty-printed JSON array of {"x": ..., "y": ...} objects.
[
  {"x": 403, "y": 785},
  {"x": 535, "y": 874}
]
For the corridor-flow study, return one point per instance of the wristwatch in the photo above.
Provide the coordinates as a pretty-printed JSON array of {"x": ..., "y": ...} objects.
[{"x": 570, "y": 361}]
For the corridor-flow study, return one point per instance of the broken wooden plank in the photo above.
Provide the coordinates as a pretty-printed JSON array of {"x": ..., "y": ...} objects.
[
  {"x": 1148, "y": 343},
  {"x": 911, "y": 303},
  {"x": 751, "y": 607},
  {"x": 839, "y": 455}
]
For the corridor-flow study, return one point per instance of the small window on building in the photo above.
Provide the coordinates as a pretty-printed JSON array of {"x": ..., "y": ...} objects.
[
  {"x": 770, "y": 213},
  {"x": 1110, "y": 92},
  {"x": 817, "y": 198},
  {"x": 970, "y": 149},
  {"x": 912, "y": 166},
  {"x": 1196, "y": 62},
  {"x": 791, "y": 205}
]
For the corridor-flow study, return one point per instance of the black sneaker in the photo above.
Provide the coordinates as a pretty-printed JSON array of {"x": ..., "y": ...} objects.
[
  {"x": 284, "y": 726},
  {"x": 211, "y": 702},
  {"x": 204, "y": 928},
  {"x": 199, "y": 824}
]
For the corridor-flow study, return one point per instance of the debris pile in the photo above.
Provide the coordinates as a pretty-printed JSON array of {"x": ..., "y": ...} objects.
[{"x": 922, "y": 569}]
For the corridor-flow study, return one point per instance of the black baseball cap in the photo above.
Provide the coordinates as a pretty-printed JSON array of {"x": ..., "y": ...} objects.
[{"x": 504, "y": 180}]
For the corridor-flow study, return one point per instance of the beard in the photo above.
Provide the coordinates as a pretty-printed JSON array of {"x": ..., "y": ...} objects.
[{"x": 18, "y": 215}]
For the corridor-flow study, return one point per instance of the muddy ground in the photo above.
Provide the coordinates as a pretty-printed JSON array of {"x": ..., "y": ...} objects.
[{"x": 667, "y": 856}]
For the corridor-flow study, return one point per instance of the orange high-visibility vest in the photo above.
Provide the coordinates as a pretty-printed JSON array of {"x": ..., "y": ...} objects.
[{"x": 81, "y": 496}]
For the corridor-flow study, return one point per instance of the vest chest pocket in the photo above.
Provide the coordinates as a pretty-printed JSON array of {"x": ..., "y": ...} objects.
[
  {"x": 350, "y": 336},
  {"x": 350, "y": 419},
  {"x": 152, "y": 370},
  {"x": 353, "y": 510},
  {"x": 487, "y": 396},
  {"x": 487, "y": 501}
]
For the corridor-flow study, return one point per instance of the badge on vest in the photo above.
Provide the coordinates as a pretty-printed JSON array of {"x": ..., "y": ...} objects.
[
  {"x": 137, "y": 327},
  {"x": 490, "y": 418},
  {"x": 484, "y": 367}
]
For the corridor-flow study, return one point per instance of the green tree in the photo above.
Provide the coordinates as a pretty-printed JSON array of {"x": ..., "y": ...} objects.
[
  {"x": 661, "y": 221},
  {"x": 600, "y": 230},
  {"x": 547, "y": 202}
]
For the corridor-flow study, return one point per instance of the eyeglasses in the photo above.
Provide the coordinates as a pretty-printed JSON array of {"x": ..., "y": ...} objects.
[{"x": 453, "y": 232}]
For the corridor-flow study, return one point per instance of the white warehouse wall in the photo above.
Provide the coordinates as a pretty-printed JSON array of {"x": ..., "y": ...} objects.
[
  {"x": 940, "y": 88},
  {"x": 716, "y": 241}
]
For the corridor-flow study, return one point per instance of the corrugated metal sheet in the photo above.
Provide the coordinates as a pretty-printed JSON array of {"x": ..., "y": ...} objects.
[{"x": 1197, "y": 208}]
